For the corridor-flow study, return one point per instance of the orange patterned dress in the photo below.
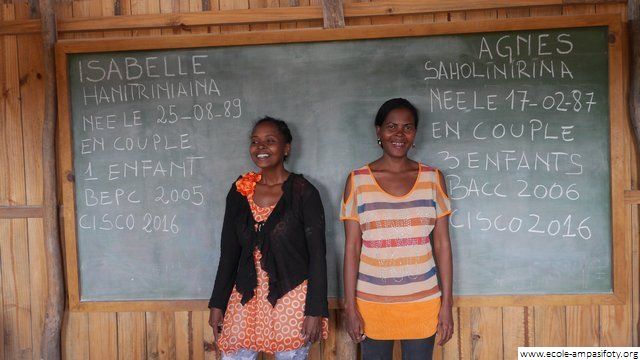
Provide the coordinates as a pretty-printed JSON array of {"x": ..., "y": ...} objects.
[{"x": 257, "y": 325}]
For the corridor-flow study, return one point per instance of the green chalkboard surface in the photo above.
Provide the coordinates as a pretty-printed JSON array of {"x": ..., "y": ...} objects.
[{"x": 517, "y": 121}]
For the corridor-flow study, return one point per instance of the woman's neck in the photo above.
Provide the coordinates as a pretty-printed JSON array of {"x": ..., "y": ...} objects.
[
  {"x": 273, "y": 176},
  {"x": 395, "y": 164}
]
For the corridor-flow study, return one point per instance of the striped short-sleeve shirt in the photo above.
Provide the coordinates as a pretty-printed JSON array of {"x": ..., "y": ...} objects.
[{"x": 396, "y": 259}]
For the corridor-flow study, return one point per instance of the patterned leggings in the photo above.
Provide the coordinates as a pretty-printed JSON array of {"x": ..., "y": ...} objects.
[{"x": 246, "y": 354}]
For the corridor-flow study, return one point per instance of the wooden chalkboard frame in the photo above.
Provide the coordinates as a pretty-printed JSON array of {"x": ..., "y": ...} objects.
[{"x": 619, "y": 126}]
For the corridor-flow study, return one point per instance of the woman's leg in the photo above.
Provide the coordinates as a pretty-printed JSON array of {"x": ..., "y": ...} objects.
[
  {"x": 377, "y": 349},
  {"x": 300, "y": 353},
  {"x": 242, "y": 354},
  {"x": 418, "y": 349}
]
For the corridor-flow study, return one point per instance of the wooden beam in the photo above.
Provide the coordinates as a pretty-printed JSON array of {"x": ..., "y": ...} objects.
[
  {"x": 632, "y": 197},
  {"x": 66, "y": 47},
  {"x": 332, "y": 14},
  {"x": 20, "y": 212},
  {"x": 20, "y": 27},
  {"x": 269, "y": 15},
  {"x": 50, "y": 338},
  {"x": 404, "y": 7},
  {"x": 175, "y": 20}
]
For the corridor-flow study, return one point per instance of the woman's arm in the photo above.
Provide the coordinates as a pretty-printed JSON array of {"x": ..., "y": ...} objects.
[
  {"x": 229, "y": 256},
  {"x": 353, "y": 244},
  {"x": 442, "y": 252},
  {"x": 227, "y": 267},
  {"x": 314, "y": 228},
  {"x": 316, "y": 306}
]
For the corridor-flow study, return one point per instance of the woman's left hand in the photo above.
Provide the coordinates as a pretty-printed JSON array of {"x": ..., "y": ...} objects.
[
  {"x": 312, "y": 328},
  {"x": 445, "y": 324}
]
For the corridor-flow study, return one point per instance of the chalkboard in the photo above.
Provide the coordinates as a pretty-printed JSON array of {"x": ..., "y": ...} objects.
[{"x": 518, "y": 122}]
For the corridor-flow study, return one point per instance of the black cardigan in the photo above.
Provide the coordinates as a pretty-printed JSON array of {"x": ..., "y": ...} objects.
[{"x": 292, "y": 242}]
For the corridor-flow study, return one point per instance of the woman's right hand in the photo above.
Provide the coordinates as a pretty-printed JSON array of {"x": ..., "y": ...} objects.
[
  {"x": 215, "y": 321},
  {"x": 355, "y": 324}
]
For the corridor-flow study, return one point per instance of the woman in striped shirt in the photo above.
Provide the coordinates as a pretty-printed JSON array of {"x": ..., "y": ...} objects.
[{"x": 391, "y": 208}]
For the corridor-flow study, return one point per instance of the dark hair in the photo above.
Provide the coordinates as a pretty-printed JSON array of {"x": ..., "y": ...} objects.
[
  {"x": 397, "y": 103},
  {"x": 282, "y": 127}
]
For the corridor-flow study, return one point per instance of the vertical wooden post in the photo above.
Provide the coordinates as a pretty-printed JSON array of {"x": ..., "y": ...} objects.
[
  {"x": 50, "y": 342},
  {"x": 332, "y": 14},
  {"x": 634, "y": 84},
  {"x": 634, "y": 93}
]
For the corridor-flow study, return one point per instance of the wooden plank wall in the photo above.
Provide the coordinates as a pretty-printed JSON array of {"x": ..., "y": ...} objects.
[{"x": 481, "y": 332}]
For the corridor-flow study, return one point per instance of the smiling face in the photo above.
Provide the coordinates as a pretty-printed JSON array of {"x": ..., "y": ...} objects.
[
  {"x": 397, "y": 132},
  {"x": 268, "y": 146}
]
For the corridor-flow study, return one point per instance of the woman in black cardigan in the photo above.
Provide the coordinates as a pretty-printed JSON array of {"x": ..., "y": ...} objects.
[{"x": 270, "y": 292}]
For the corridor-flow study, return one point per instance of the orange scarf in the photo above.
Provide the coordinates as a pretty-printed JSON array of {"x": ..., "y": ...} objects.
[{"x": 246, "y": 185}]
